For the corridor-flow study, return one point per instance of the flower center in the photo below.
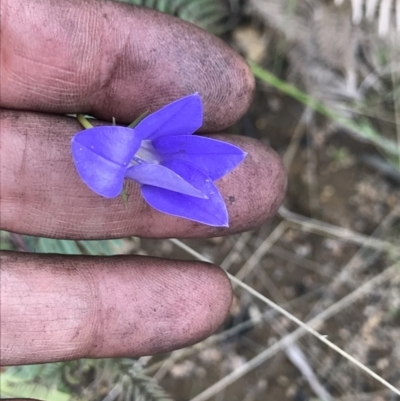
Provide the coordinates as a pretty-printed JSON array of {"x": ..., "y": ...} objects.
[{"x": 146, "y": 154}]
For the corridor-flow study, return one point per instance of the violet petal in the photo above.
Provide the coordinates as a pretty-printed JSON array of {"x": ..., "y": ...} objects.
[
  {"x": 211, "y": 211},
  {"x": 215, "y": 158},
  {"x": 182, "y": 117},
  {"x": 102, "y": 155},
  {"x": 162, "y": 177}
]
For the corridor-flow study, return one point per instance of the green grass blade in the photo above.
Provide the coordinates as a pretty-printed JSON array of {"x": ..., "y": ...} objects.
[
  {"x": 364, "y": 129},
  {"x": 138, "y": 120},
  {"x": 16, "y": 387},
  {"x": 69, "y": 247}
]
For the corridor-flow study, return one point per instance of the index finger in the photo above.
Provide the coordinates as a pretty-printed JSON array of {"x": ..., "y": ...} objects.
[{"x": 115, "y": 60}]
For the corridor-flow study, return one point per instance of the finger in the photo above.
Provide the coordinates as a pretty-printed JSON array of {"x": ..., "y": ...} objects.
[
  {"x": 56, "y": 308},
  {"x": 42, "y": 194},
  {"x": 113, "y": 60}
]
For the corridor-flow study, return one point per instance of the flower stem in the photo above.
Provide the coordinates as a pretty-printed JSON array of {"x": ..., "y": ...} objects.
[
  {"x": 138, "y": 120},
  {"x": 85, "y": 123},
  {"x": 124, "y": 196}
]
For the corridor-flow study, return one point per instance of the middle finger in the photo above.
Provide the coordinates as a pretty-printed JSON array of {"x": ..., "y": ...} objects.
[{"x": 42, "y": 194}]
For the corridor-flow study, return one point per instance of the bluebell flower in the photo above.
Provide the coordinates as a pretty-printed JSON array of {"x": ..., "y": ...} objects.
[{"x": 175, "y": 169}]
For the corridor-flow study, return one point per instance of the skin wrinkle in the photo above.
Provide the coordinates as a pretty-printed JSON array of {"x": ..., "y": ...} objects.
[
  {"x": 109, "y": 63},
  {"x": 93, "y": 325}
]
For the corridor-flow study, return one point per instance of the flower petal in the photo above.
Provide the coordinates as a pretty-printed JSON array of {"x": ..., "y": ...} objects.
[
  {"x": 116, "y": 144},
  {"x": 215, "y": 158},
  {"x": 182, "y": 117},
  {"x": 100, "y": 175},
  {"x": 211, "y": 211},
  {"x": 102, "y": 155},
  {"x": 162, "y": 177}
]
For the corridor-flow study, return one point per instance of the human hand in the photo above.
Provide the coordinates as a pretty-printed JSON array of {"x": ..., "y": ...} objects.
[{"x": 110, "y": 60}]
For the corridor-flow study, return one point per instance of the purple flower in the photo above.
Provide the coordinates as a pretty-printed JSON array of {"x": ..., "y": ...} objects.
[{"x": 175, "y": 169}]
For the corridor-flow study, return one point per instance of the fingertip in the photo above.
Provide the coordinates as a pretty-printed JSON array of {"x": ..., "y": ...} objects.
[
  {"x": 177, "y": 304},
  {"x": 217, "y": 289},
  {"x": 257, "y": 187}
]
